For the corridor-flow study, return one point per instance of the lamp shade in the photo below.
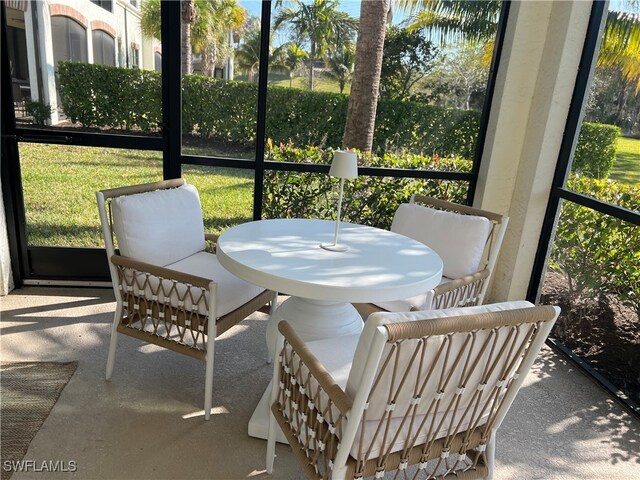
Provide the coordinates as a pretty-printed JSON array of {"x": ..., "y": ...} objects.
[{"x": 344, "y": 164}]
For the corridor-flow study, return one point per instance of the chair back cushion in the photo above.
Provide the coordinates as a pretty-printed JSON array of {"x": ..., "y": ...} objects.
[
  {"x": 378, "y": 319},
  {"x": 159, "y": 227},
  {"x": 459, "y": 239}
]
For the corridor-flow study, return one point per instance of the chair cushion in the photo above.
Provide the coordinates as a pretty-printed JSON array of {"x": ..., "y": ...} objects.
[
  {"x": 459, "y": 239},
  {"x": 159, "y": 227},
  {"x": 336, "y": 355},
  {"x": 407, "y": 304},
  {"x": 232, "y": 291}
]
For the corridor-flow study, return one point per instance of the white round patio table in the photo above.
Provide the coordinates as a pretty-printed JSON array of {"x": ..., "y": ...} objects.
[{"x": 285, "y": 255}]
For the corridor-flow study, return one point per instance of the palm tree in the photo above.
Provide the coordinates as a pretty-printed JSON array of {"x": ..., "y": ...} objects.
[
  {"x": 294, "y": 57},
  {"x": 321, "y": 22},
  {"x": 203, "y": 24},
  {"x": 218, "y": 18},
  {"x": 247, "y": 55},
  {"x": 188, "y": 19},
  {"x": 340, "y": 65},
  {"x": 365, "y": 86}
]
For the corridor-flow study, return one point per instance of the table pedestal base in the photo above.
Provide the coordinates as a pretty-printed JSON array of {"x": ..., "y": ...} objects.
[{"x": 312, "y": 320}]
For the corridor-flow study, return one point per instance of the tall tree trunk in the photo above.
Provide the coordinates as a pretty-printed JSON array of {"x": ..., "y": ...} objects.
[
  {"x": 209, "y": 58},
  {"x": 312, "y": 60},
  {"x": 365, "y": 83},
  {"x": 188, "y": 17}
]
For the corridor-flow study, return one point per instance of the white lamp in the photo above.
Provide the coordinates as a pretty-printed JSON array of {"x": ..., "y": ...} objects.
[{"x": 344, "y": 165}]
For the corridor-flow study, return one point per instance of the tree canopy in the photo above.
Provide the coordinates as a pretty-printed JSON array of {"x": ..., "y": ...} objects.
[{"x": 319, "y": 23}]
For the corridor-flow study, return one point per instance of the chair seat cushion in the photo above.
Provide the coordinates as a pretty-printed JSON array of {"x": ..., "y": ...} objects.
[
  {"x": 459, "y": 239},
  {"x": 407, "y": 304},
  {"x": 232, "y": 291},
  {"x": 159, "y": 227},
  {"x": 336, "y": 355}
]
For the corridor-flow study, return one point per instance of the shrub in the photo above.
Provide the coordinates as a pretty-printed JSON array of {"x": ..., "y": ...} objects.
[
  {"x": 39, "y": 111},
  {"x": 599, "y": 253},
  {"x": 367, "y": 200},
  {"x": 105, "y": 96},
  {"x": 596, "y": 149}
]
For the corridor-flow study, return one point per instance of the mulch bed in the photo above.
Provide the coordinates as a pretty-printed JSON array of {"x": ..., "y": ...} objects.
[{"x": 599, "y": 329}]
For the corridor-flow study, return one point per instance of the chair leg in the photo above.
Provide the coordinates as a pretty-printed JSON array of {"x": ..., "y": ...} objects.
[
  {"x": 208, "y": 381},
  {"x": 273, "y": 427},
  {"x": 272, "y": 309},
  {"x": 491, "y": 455},
  {"x": 339, "y": 473},
  {"x": 273, "y": 304},
  {"x": 113, "y": 343},
  {"x": 271, "y": 443}
]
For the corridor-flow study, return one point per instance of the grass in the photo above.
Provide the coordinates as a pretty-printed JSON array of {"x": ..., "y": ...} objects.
[
  {"x": 321, "y": 84},
  {"x": 59, "y": 185},
  {"x": 626, "y": 168}
]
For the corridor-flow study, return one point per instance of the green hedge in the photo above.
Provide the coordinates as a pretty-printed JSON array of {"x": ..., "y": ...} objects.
[
  {"x": 104, "y": 96},
  {"x": 596, "y": 149},
  {"x": 599, "y": 253},
  {"x": 96, "y": 96},
  {"x": 367, "y": 200}
]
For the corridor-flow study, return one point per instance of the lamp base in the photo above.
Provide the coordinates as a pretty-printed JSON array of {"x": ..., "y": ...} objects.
[{"x": 334, "y": 247}]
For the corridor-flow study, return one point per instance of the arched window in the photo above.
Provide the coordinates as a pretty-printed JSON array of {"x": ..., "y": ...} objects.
[
  {"x": 69, "y": 40},
  {"x": 104, "y": 48},
  {"x": 157, "y": 61}
]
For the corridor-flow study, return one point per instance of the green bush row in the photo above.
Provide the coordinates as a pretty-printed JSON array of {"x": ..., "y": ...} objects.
[
  {"x": 367, "y": 200},
  {"x": 110, "y": 97},
  {"x": 596, "y": 252}
]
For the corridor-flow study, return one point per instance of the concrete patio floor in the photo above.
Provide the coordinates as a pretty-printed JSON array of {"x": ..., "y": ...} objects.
[{"x": 146, "y": 422}]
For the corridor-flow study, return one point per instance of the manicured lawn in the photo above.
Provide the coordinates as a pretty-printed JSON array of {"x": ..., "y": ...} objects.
[
  {"x": 321, "y": 84},
  {"x": 626, "y": 168},
  {"x": 60, "y": 181}
]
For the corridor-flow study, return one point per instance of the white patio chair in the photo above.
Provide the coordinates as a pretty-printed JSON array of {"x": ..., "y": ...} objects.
[
  {"x": 419, "y": 392},
  {"x": 467, "y": 239},
  {"x": 169, "y": 290}
]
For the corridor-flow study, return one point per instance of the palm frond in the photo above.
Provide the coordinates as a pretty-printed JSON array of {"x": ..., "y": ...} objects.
[
  {"x": 454, "y": 20},
  {"x": 621, "y": 45}
]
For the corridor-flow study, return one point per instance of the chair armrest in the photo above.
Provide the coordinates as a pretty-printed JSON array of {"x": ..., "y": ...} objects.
[
  {"x": 336, "y": 395},
  {"x": 163, "y": 272},
  {"x": 461, "y": 292}
]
